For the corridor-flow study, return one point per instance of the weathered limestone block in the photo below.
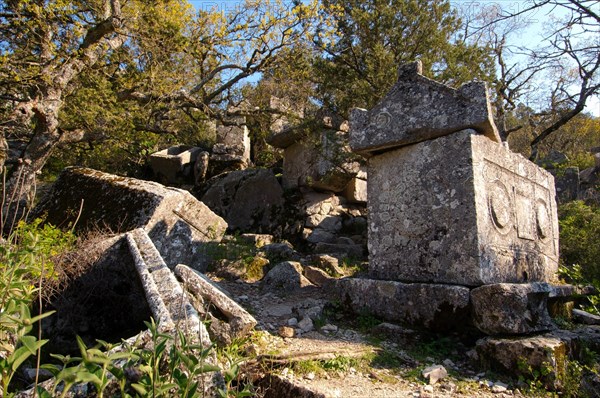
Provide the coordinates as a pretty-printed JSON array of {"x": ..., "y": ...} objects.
[
  {"x": 174, "y": 163},
  {"x": 237, "y": 138},
  {"x": 356, "y": 191},
  {"x": 239, "y": 322},
  {"x": 287, "y": 276},
  {"x": 250, "y": 200},
  {"x": 461, "y": 209},
  {"x": 418, "y": 109},
  {"x": 323, "y": 162},
  {"x": 177, "y": 223},
  {"x": 546, "y": 354},
  {"x": 507, "y": 308},
  {"x": 168, "y": 302},
  {"x": 435, "y": 307},
  {"x": 282, "y": 134}
]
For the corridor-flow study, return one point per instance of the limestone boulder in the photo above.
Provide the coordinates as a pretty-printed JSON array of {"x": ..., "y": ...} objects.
[
  {"x": 435, "y": 307},
  {"x": 507, "y": 308},
  {"x": 285, "y": 276},
  {"x": 250, "y": 200},
  {"x": 546, "y": 354},
  {"x": 323, "y": 162},
  {"x": 177, "y": 223}
]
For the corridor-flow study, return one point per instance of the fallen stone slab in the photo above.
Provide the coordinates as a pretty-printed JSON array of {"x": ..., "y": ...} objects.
[
  {"x": 238, "y": 322},
  {"x": 586, "y": 318},
  {"x": 286, "y": 276},
  {"x": 177, "y": 223},
  {"x": 507, "y": 308},
  {"x": 431, "y": 306},
  {"x": 249, "y": 200},
  {"x": 418, "y": 109},
  {"x": 546, "y": 355},
  {"x": 168, "y": 302}
]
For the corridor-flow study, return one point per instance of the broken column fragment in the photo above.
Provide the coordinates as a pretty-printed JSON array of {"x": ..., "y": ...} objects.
[
  {"x": 177, "y": 223},
  {"x": 418, "y": 109}
]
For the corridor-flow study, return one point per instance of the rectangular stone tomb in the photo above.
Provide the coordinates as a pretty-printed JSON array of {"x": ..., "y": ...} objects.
[
  {"x": 174, "y": 162},
  {"x": 461, "y": 209}
]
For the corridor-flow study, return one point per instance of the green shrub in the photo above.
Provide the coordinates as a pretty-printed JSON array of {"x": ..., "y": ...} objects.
[
  {"x": 579, "y": 237},
  {"x": 26, "y": 260}
]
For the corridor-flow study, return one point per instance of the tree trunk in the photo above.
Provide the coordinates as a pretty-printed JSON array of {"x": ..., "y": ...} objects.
[
  {"x": 42, "y": 111},
  {"x": 19, "y": 188}
]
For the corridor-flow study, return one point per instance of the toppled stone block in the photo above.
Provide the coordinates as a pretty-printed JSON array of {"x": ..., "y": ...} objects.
[
  {"x": 418, "y": 109},
  {"x": 250, "y": 200},
  {"x": 435, "y": 307},
  {"x": 586, "y": 318},
  {"x": 177, "y": 223},
  {"x": 546, "y": 355},
  {"x": 322, "y": 162},
  {"x": 238, "y": 321},
  {"x": 237, "y": 138},
  {"x": 506, "y": 308},
  {"x": 172, "y": 164},
  {"x": 287, "y": 276},
  {"x": 356, "y": 191},
  {"x": 317, "y": 276},
  {"x": 461, "y": 209},
  {"x": 282, "y": 129}
]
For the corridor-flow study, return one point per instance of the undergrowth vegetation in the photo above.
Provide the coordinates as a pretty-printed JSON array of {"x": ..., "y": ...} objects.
[
  {"x": 168, "y": 364},
  {"x": 580, "y": 252}
]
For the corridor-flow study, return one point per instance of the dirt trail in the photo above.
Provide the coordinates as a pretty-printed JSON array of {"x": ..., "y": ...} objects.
[{"x": 339, "y": 360}]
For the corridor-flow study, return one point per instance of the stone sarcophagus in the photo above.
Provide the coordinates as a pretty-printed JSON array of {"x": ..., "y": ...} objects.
[
  {"x": 448, "y": 202},
  {"x": 460, "y": 209}
]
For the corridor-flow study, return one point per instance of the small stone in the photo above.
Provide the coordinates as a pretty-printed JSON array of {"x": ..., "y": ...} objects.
[
  {"x": 329, "y": 328},
  {"x": 292, "y": 322},
  {"x": 428, "y": 388},
  {"x": 451, "y": 387},
  {"x": 434, "y": 373},
  {"x": 497, "y": 389},
  {"x": 310, "y": 376},
  {"x": 242, "y": 298},
  {"x": 448, "y": 363},
  {"x": 285, "y": 371},
  {"x": 286, "y": 331},
  {"x": 306, "y": 324}
]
